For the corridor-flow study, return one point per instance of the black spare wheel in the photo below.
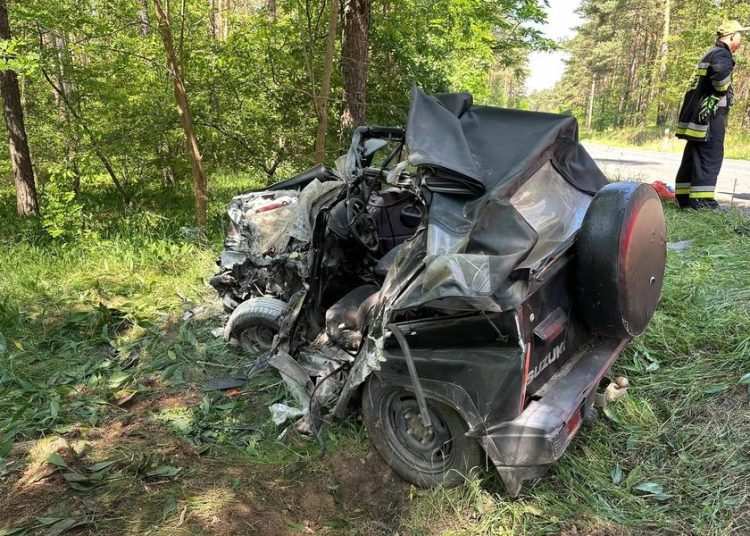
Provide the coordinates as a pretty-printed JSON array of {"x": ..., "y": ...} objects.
[
  {"x": 621, "y": 258},
  {"x": 420, "y": 455},
  {"x": 255, "y": 322}
]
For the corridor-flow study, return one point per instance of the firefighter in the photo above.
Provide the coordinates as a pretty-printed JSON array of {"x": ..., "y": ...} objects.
[{"x": 703, "y": 120}]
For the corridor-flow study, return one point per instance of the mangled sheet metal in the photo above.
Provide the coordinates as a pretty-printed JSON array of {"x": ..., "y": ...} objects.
[
  {"x": 266, "y": 248},
  {"x": 494, "y": 174},
  {"x": 268, "y": 221}
]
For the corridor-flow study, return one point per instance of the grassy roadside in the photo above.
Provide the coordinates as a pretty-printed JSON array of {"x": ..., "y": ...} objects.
[
  {"x": 737, "y": 145},
  {"x": 106, "y": 342}
]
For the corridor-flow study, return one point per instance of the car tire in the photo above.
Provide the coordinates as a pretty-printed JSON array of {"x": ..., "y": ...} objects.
[
  {"x": 621, "y": 252},
  {"x": 255, "y": 322},
  {"x": 444, "y": 456}
]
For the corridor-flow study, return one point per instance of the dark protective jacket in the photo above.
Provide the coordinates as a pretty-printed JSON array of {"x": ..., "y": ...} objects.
[{"x": 710, "y": 89}]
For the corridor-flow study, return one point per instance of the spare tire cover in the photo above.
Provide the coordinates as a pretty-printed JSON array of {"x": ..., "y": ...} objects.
[{"x": 621, "y": 254}]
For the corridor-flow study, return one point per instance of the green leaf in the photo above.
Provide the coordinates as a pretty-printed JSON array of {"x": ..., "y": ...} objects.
[
  {"x": 533, "y": 510},
  {"x": 14, "y": 531},
  {"x": 117, "y": 379},
  {"x": 46, "y": 521},
  {"x": 650, "y": 487},
  {"x": 81, "y": 486},
  {"x": 169, "y": 508},
  {"x": 56, "y": 460},
  {"x": 611, "y": 413},
  {"x": 63, "y": 526},
  {"x": 633, "y": 477},
  {"x": 173, "y": 370},
  {"x": 101, "y": 465},
  {"x": 337, "y": 523},
  {"x": 166, "y": 471},
  {"x": 54, "y": 408},
  {"x": 19, "y": 413},
  {"x": 187, "y": 335},
  {"x": 74, "y": 476},
  {"x": 99, "y": 468},
  {"x": 294, "y": 525},
  {"x": 58, "y": 525},
  {"x": 6, "y": 444},
  {"x": 745, "y": 380},
  {"x": 616, "y": 474},
  {"x": 716, "y": 388}
]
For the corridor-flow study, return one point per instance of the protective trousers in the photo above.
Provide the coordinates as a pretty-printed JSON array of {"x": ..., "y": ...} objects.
[{"x": 701, "y": 163}]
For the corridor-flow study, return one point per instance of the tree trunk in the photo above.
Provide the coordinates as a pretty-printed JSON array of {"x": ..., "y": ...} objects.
[
  {"x": 592, "y": 98},
  {"x": 213, "y": 19},
  {"x": 143, "y": 17},
  {"x": 20, "y": 156},
  {"x": 181, "y": 46},
  {"x": 354, "y": 49},
  {"x": 661, "y": 115},
  {"x": 225, "y": 18},
  {"x": 219, "y": 21},
  {"x": 321, "y": 105},
  {"x": 72, "y": 140},
  {"x": 183, "y": 107},
  {"x": 633, "y": 72}
]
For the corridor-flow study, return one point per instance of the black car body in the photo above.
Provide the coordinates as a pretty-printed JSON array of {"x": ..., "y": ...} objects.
[{"x": 470, "y": 280}]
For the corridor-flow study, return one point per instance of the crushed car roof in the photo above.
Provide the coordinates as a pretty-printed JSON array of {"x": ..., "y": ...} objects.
[
  {"x": 489, "y": 148},
  {"x": 510, "y": 189}
]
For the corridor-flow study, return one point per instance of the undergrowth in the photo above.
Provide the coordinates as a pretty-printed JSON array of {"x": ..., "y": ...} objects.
[{"x": 106, "y": 342}]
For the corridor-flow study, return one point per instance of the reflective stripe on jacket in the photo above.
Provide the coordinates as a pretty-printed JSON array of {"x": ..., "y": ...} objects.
[{"x": 710, "y": 88}]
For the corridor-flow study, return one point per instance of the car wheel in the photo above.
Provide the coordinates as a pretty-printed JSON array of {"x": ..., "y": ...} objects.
[
  {"x": 424, "y": 457},
  {"x": 255, "y": 322},
  {"x": 621, "y": 254}
]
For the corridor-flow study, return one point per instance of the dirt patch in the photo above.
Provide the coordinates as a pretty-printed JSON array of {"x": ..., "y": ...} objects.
[
  {"x": 170, "y": 402},
  {"x": 345, "y": 493},
  {"x": 720, "y": 409},
  {"x": 34, "y": 484},
  {"x": 365, "y": 482},
  {"x": 219, "y": 492},
  {"x": 36, "y": 488},
  {"x": 38, "y": 467}
]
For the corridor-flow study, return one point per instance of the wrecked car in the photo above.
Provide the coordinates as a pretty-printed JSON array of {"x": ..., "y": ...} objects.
[{"x": 467, "y": 282}]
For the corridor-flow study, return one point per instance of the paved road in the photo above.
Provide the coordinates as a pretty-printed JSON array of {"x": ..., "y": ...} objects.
[{"x": 649, "y": 166}]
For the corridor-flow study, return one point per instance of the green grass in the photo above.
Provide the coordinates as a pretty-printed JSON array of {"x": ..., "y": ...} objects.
[
  {"x": 88, "y": 322},
  {"x": 737, "y": 145}
]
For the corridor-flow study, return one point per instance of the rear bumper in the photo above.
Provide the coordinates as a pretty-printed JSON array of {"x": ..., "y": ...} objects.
[{"x": 521, "y": 448}]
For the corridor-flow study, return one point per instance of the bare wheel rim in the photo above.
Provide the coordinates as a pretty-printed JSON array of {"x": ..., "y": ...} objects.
[{"x": 431, "y": 451}]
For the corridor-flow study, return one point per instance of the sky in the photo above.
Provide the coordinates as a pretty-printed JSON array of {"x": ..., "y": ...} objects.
[{"x": 547, "y": 67}]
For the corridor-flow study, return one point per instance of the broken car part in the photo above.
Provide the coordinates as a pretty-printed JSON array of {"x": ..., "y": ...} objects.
[{"x": 469, "y": 280}]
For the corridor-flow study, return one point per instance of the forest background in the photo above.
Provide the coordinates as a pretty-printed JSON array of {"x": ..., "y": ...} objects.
[{"x": 270, "y": 87}]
